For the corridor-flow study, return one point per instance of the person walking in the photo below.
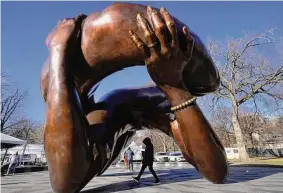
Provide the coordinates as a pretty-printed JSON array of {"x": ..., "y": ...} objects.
[
  {"x": 130, "y": 158},
  {"x": 147, "y": 161},
  {"x": 14, "y": 160}
]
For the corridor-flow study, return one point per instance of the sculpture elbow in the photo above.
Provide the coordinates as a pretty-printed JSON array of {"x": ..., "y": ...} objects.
[
  {"x": 214, "y": 80},
  {"x": 201, "y": 76}
]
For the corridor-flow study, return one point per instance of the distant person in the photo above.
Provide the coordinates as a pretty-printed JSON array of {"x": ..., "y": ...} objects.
[
  {"x": 130, "y": 158},
  {"x": 148, "y": 160},
  {"x": 14, "y": 160},
  {"x": 125, "y": 160}
]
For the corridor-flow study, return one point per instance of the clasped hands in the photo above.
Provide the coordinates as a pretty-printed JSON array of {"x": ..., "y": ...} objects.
[{"x": 163, "y": 57}]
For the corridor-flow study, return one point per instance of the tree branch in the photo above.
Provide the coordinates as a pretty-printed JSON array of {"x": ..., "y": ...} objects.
[{"x": 271, "y": 79}]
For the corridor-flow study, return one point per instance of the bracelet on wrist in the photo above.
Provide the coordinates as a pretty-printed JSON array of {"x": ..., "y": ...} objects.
[{"x": 183, "y": 105}]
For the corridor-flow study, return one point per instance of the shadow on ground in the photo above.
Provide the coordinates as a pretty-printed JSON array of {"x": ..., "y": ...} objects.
[
  {"x": 257, "y": 165},
  {"x": 236, "y": 175},
  {"x": 12, "y": 183}
]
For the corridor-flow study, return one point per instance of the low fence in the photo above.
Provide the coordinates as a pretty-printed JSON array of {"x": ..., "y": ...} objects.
[
  {"x": 263, "y": 152},
  {"x": 23, "y": 169}
]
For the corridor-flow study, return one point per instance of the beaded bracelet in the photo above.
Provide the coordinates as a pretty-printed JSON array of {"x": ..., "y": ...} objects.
[{"x": 184, "y": 104}]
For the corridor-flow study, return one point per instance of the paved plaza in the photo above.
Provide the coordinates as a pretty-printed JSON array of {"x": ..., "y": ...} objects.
[{"x": 175, "y": 178}]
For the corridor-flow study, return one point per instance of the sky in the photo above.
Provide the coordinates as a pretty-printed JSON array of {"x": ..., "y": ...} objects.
[{"x": 25, "y": 25}]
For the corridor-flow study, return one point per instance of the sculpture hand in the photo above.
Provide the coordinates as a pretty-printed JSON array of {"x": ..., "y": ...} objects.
[
  {"x": 190, "y": 43},
  {"x": 163, "y": 58},
  {"x": 65, "y": 34}
]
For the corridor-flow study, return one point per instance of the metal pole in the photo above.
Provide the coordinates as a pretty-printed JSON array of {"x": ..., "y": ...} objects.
[
  {"x": 24, "y": 151},
  {"x": 41, "y": 156}
]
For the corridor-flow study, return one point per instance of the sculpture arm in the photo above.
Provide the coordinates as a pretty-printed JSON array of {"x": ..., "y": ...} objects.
[
  {"x": 65, "y": 140},
  {"x": 165, "y": 65},
  {"x": 107, "y": 48},
  {"x": 104, "y": 32},
  {"x": 196, "y": 137}
]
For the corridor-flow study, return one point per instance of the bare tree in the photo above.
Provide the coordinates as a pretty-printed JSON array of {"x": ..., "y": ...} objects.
[
  {"x": 221, "y": 122},
  {"x": 160, "y": 141},
  {"x": 252, "y": 124},
  {"x": 247, "y": 77},
  {"x": 273, "y": 129},
  {"x": 279, "y": 125},
  {"x": 36, "y": 136},
  {"x": 11, "y": 100},
  {"x": 28, "y": 130}
]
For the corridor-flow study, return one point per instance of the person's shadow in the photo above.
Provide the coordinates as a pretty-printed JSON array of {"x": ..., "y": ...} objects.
[{"x": 236, "y": 175}]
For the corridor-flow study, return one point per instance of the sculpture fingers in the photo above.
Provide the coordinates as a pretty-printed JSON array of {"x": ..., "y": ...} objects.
[
  {"x": 159, "y": 29},
  {"x": 139, "y": 43},
  {"x": 190, "y": 44},
  {"x": 170, "y": 23}
]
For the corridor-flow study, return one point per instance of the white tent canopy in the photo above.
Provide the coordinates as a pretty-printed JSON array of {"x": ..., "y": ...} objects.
[
  {"x": 9, "y": 141},
  {"x": 30, "y": 149},
  {"x": 27, "y": 152},
  {"x": 134, "y": 147},
  {"x": 137, "y": 149}
]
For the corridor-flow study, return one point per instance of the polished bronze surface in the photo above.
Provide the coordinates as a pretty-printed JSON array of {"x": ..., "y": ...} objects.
[
  {"x": 82, "y": 138},
  {"x": 107, "y": 48}
]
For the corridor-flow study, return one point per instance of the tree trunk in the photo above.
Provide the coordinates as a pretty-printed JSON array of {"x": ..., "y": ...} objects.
[
  {"x": 227, "y": 140},
  {"x": 164, "y": 144},
  {"x": 251, "y": 138},
  {"x": 239, "y": 135}
]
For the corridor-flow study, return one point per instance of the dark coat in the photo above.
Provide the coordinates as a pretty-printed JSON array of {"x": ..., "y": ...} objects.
[{"x": 148, "y": 154}]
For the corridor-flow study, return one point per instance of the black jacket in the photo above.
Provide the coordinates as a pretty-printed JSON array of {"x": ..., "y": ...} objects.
[{"x": 148, "y": 154}]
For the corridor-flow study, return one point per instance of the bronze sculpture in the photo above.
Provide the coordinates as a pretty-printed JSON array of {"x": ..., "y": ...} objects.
[{"x": 82, "y": 137}]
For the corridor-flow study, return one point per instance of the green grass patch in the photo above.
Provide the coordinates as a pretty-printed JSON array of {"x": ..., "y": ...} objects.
[{"x": 258, "y": 160}]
